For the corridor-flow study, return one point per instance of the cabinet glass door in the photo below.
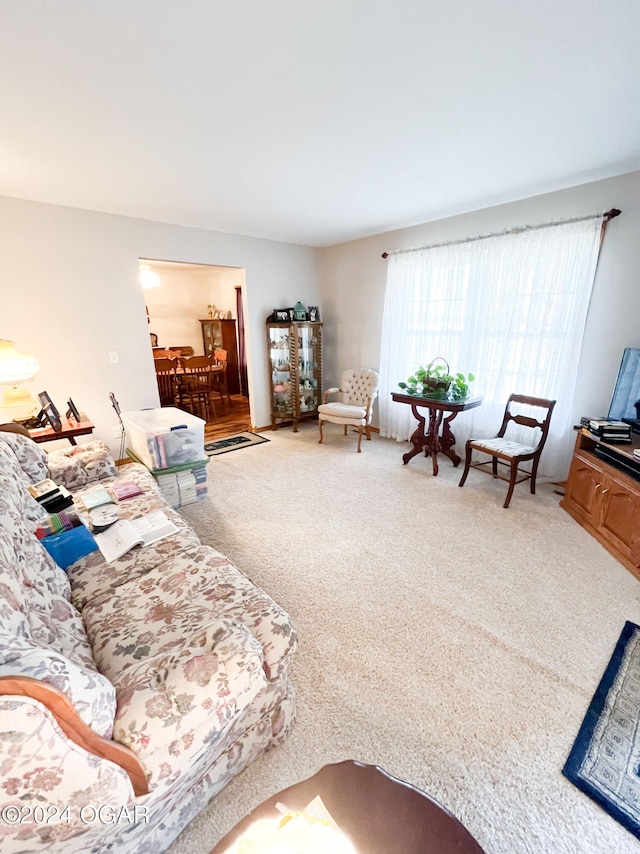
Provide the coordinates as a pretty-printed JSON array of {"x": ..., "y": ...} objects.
[
  {"x": 280, "y": 360},
  {"x": 308, "y": 353},
  {"x": 208, "y": 337}
]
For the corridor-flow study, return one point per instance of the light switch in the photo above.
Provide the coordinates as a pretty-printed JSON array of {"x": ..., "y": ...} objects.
[{"x": 113, "y": 357}]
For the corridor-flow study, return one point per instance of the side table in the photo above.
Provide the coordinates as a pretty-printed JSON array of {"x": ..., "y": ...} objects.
[
  {"x": 70, "y": 429},
  {"x": 429, "y": 438},
  {"x": 379, "y": 813}
]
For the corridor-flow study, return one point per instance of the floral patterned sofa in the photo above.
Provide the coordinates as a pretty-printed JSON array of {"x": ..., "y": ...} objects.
[{"x": 130, "y": 692}]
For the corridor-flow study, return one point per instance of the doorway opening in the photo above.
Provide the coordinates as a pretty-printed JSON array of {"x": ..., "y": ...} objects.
[{"x": 198, "y": 310}]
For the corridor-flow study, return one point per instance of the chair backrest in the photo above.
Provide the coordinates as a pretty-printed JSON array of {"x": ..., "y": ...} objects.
[
  {"x": 221, "y": 357},
  {"x": 164, "y": 353},
  {"x": 196, "y": 364},
  {"x": 165, "y": 366},
  {"x": 197, "y": 370},
  {"x": 525, "y": 420},
  {"x": 165, "y": 376},
  {"x": 358, "y": 386}
]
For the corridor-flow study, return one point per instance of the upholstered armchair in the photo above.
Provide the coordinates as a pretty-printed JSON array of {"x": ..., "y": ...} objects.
[{"x": 359, "y": 389}]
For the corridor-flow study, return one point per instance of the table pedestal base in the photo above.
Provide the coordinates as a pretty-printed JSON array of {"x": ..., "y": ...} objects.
[{"x": 431, "y": 440}]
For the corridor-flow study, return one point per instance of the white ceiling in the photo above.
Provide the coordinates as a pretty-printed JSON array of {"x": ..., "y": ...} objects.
[{"x": 313, "y": 121}]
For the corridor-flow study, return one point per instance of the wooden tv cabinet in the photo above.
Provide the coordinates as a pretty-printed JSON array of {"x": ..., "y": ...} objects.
[{"x": 603, "y": 494}]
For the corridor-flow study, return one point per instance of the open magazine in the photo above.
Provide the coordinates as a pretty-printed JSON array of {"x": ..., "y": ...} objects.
[{"x": 125, "y": 534}]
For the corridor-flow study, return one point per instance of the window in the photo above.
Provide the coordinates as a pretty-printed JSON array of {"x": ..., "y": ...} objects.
[{"x": 509, "y": 308}]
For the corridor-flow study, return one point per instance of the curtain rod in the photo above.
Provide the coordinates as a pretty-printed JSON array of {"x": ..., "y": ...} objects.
[{"x": 609, "y": 215}]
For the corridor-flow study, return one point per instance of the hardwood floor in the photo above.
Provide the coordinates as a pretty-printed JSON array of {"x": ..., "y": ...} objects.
[{"x": 229, "y": 419}]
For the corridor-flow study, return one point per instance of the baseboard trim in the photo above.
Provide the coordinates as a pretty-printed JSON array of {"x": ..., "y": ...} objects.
[{"x": 289, "y": 423}]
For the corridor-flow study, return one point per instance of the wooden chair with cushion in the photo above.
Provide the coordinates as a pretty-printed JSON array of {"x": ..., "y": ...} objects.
[
  {"x": 219, "y": 378},
  {"x": 166, "y": 379},
  {"x": 508, "y": 453},
  {"x": 359, "y": 389},
  {"x": 194, "y": 385}
]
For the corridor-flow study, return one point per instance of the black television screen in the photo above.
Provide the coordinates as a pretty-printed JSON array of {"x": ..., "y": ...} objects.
[{"x": 625, "y": 403}]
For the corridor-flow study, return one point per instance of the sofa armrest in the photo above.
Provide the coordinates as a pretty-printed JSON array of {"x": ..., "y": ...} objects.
[
  {"x": 328, "y": 391},
  {"x": 74, "y": 728}
]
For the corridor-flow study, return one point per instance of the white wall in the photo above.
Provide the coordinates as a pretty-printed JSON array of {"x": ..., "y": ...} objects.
[
  {"x": 70, "y": 293},
  {"x": 176, "y": 307},
  {"x": 354, "y": 279}
]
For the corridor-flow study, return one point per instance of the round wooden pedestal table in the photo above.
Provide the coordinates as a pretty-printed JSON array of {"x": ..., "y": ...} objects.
[{"x": 377, "y": 812}]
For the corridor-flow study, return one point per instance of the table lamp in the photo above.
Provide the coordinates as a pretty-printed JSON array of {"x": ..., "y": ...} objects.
[{"x": 17, "y": 403}]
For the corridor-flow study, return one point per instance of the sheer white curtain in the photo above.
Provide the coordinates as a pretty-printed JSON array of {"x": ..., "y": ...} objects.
[{"x": 510, "y": 309}]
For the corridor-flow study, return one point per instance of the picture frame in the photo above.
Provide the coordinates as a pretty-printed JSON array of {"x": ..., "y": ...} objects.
[
  {"x": 72, "y": 411},
  {"x": 50, "y": 412},
  {"x": 282, "y": 315},
  {"x": 314, "y": 314}
]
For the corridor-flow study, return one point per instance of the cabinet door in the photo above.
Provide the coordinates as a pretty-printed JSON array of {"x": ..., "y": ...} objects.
[
  {"x": 583, "y": 488},
  {"x": 280, "y": 366},
  {"x": 620, "y": 524},
  {"x": 209, "y": 336},
  {"x": 308, "y": 367}
]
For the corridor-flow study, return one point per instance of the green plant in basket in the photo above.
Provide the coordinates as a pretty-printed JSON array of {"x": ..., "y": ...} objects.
[{"x": 436, "y": 381}]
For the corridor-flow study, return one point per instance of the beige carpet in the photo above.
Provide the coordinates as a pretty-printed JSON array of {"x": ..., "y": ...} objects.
[{"x": 452, "y": 642}]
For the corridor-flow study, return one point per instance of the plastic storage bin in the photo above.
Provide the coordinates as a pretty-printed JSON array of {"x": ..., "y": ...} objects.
[{"x": 162, "y": 438}]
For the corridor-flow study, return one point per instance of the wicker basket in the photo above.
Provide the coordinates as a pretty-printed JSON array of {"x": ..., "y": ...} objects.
[{"x": 432, "y": 383}]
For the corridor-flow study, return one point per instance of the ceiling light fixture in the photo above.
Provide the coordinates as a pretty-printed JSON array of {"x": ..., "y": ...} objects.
[{"x": 148, "y": 279}]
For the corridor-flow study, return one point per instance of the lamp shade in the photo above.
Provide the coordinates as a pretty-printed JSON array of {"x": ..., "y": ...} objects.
[{"x": 15, "y": 367}]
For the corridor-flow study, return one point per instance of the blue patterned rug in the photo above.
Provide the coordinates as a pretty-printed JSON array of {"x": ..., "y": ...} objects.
[
  {"x": 604, "y": 762},
  {"x": 232, "y": 443}
]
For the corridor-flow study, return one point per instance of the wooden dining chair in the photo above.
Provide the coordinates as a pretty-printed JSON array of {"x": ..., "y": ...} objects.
[
  {"x": 219, "y": 378},
  {"x": 508, "y": 453},
  {"x": 166, "y": 379},
  {"x": 194, "y": 385}
]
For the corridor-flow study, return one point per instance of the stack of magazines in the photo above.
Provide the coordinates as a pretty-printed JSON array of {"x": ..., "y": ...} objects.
[{"x": 610, "y": 431}]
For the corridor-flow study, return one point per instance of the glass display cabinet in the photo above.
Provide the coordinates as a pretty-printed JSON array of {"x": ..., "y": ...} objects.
[{"x": 295, "y": 362}]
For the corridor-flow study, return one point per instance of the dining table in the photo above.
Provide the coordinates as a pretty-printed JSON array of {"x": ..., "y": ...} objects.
[
  {"x": 171, "y": 384},
  {"x": 436, "y": 437}
]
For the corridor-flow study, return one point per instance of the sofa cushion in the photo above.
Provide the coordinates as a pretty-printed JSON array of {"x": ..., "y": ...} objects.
[
  {"x": 91, "y": 577},
  {"x": 177, "y": 596},
  {"x": 16, "y": 502},
  {"x": 76, "y": 466},
  {"x": 181, "y": 682},
  {"x": 31, "y": 457},
  {"x": 42, "y": 636}
]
